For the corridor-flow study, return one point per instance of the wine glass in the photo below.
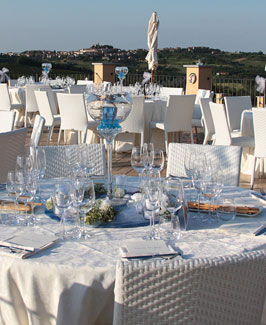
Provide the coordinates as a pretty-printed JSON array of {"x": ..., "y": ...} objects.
[
  {"x": 172, "y": 202},
  {"x": 86, "y": 206},
  {"x": 20, "y": 164},
  {"x": 63, "y": 198},
  {"x": 158, "y": 160},
  {"x": 11, "y": 190},
  {"x": 147, "y": 152},
  {"x": 136, "y": 160},
  {"x": 151, "y": 205},
  {"x": 19, "y": 186},
  {"x": 40, "y": 166},
  {"x": 31, "y": 184}
]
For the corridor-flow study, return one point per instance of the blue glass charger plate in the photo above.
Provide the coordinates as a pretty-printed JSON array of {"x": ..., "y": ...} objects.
[{"x": 126, "y": 217}]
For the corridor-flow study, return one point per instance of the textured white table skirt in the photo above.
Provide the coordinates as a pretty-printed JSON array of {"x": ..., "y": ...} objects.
[{"x": 73, "y": 282}]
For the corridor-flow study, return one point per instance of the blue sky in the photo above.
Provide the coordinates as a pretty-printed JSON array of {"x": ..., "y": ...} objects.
[{"x": 74, "y": 24}]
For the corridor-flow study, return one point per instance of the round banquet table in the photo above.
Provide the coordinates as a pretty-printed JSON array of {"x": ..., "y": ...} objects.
[{"x": 73, "y": 282}]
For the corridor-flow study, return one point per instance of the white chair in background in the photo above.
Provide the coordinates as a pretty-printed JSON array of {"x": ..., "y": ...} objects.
[
  {"x": 259, "y": 122},
  {"x": 222, "y": 132},
  {"x": 234, "y": 106},
  {"x": 224, "y": 158},
  {"x": 58, "y": 162},
  {"x": 12, "y": 144},
  {"x": 77, "y": 89},
  {"x": 197, "y": 113},
  {"x": 221, "y": 290},
  {"x": 207, "y": 122},
  {"x": 5, "y": 102},
  {"x": 7, "y": 120},
  {"x": 85, "y": 82},
  {"x": 37, "y": 129},
  {"x": 31, "y": 103},
  {"x": 178, "y": 116},
  {"x": 166, "y": 91},
  {"x": 74, "y": 115},
  {"x": 135, "y": 122},
  {"x": 46, "y": 112},
  {"x": 52, "y": 98}
]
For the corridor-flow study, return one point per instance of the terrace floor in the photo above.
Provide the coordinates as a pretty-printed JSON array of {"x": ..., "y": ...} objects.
[{"x": 121, "y": 161}]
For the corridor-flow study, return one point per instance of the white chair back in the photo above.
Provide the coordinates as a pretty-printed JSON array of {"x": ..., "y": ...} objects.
[
  {"x": 44, "y": 107},
  {"x": 220, "y": 290},
  {"x": 207, "y": 119},
  {"x": 222, "y": 133},
  {"x": 52, "y": 99},
  {"x": 166, "y": 91},
  {"x": 134, "y": 123},
  {"x": 259, "y": 122},
  {"x": 7, "y": 120},
  {"x": 85, "y": 82},
  {"x": 31, "y": 104},
  {"x": 37, "y": 131},
  {"x": 179, "y": 110},
  {"x": 73, "y": 112},
  {"x": 77, "y": 89},
  {"x": 225, "y": 158},
  {"x": 5, "y": 103},
  {"x": 12, "y": 144},
  {"x": 202, "y": 93},
  {"x": 234, "y": 106},
  {"x": 58, "y": 162}
]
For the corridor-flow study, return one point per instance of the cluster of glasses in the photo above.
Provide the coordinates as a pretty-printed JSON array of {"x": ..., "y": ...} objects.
[
  {"x": 23, "y": 183},
  {"x": 152, "y": 90},
  {"x": 74, "y": 197},
  {"x": 160, "y": 199},
  {"x": 208, "y": 181},
  {"x": 22, "y": 81}
]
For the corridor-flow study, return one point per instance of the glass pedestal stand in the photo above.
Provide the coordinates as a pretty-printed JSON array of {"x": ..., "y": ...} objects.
[{"x": 109, "y": 132}]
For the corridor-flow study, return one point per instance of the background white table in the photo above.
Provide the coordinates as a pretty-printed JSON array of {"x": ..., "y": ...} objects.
[{"x": 73, "y": 282}]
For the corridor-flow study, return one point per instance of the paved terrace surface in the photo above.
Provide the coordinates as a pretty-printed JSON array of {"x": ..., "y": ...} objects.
[{"x": 121, "y": 161}]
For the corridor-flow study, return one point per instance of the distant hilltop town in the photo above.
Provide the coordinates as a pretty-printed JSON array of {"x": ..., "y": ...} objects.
[{"x": 105, "y": 52}]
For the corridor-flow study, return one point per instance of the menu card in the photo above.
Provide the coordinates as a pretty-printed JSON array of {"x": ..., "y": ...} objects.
[
  {"x": 149, "y": 248},
  {"x": 26, "y": 245}
]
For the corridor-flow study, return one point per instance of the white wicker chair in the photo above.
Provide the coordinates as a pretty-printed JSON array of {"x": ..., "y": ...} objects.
[
  {"x": 12, "y": 144},
  {"x": 57, "y": 162},
  {"x": 7, "y": 120},
  {"x": 234, "y": 106},
  {"x": 135, "y": 121},
  {"x": 37, "y": 129},
  {"x": 225, "y": 158},
  {"x": 222, "y": 133},
  {"x": 178, "y": 116},
  {"x": 225, "y": 290},
  {"x": 259, "y": 122}
]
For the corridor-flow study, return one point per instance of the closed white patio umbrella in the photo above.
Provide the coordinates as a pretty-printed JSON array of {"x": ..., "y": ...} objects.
[{"x": 152, "y": 57}]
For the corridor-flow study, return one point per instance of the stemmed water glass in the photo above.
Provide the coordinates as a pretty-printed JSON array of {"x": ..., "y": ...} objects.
[
  {"x": 31, "y": 189},
  {"x": 40, "y": 166},
  {"x": 172, "y": 202},
  {"x": 151, "y": 204},
  {"x": 158, "y": 160},
  {"x": 11, "y": 189},
  {"x": 147, "y": 153},
  {"x": 136, "y": 160},
  {"x": 63, "y": 199},
  {"x": 19, "y": 187}
]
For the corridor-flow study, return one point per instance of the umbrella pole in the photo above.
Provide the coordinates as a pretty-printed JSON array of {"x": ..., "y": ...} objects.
[{"x": 152, "y": 71}]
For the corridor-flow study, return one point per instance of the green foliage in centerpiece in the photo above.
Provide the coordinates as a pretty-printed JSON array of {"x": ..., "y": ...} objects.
[{"x": 102, "y": 211}]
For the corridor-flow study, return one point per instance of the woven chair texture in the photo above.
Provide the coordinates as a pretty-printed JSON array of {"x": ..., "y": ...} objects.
[
  {"x": 222, "y": 291},
  {"x": 225, "y": 158},
  {"x": 12, "y": 144},
  {"x": 57, "y": 162}
]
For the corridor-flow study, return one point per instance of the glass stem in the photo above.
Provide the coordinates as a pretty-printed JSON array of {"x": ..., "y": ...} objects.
[{"x": 109, "y": 169}]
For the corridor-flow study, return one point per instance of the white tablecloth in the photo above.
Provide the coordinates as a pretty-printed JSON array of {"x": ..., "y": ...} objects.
[{"x": 73, "y": 282}]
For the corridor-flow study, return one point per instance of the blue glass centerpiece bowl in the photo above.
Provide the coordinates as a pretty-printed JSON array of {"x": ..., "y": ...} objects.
[{"x": 109, "y": 108}]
